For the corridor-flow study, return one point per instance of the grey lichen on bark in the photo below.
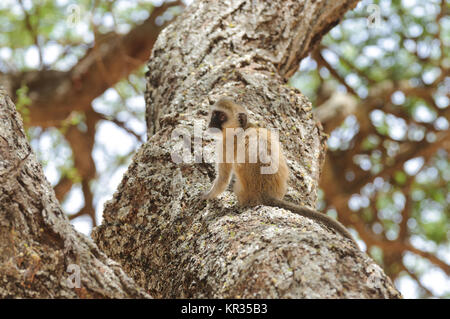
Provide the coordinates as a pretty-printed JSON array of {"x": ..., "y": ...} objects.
[
  {"x": 175, "y": 245},
  {"x": 41, "y": 254}
]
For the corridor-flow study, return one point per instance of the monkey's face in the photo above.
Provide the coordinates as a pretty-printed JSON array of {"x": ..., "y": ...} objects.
[
  {"x": 226, "y": 114},
  {"x": 218, "y": 119}
]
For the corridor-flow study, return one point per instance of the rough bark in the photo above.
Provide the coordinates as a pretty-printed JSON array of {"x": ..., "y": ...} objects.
[
  {"x": 39, "y": 249},
  {"x": 175, "y": 245}
]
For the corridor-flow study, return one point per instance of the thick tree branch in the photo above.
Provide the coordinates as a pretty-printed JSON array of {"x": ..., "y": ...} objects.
[
  {"x": 175, "y": 245},
  {"x": 39, "y": 249}
]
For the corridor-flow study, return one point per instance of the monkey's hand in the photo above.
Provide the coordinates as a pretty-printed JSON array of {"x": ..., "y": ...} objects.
[
  {"x": 206, "y": 196},
  {"x": 212, "y": 193}
]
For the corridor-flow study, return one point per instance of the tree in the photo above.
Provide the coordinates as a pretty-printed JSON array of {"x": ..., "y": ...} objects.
[
  {"x": 382, "y": 95},
  {"x": 174, "y": 245},
  {"x": 41, "y": 255},
  {"x": 56, "y": 96},
  {"x": 383, "y": 210},
  {"x": 377, "y": 83}
]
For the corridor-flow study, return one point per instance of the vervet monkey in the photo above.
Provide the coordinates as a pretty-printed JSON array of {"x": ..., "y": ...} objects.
[{"x": 242, "y": 153}]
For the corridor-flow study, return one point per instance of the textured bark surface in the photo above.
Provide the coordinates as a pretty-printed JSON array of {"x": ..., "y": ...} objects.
[
  {"x": 37, "y": 243},
  {"x": 175, "y": 245}
]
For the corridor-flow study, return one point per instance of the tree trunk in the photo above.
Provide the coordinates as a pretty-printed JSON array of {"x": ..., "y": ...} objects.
[
  {"x": 175, "y": 245},
  {"x": 41, "y": 255}
]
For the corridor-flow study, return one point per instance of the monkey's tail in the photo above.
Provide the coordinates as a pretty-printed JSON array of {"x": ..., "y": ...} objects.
[{"x": 311, "y": 214}]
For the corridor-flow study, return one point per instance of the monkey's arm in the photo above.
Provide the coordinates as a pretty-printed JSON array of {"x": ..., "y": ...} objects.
[
  {"x": 221, "y": 182},
  {"x": 312, "y": 214}
]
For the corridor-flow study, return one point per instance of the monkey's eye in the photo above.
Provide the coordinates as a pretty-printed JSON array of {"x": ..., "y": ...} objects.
[{"x": 219, "y": 116}]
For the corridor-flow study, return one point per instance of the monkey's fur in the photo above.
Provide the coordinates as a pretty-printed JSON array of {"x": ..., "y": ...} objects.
[{"x": 251, "y": 186}]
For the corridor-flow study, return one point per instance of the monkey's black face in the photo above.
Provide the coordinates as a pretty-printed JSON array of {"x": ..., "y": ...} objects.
[{"x": 217, "y": 119}]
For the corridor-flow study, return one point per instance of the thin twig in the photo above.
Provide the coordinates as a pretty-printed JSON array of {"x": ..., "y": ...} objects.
[{"x": 33, "y": 32}]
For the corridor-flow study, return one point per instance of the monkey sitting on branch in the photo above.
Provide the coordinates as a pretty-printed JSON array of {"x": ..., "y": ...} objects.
[{"x": 245, "y": 150}]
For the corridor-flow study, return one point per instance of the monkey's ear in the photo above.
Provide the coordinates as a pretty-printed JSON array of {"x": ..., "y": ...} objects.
[{"x": 242, "y": 118}]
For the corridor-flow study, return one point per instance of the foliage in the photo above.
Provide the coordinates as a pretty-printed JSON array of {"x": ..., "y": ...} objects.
[{"x": 404, "y": 53}]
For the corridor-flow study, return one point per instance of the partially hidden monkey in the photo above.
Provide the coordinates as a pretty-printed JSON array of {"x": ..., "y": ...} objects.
[{"x": 253, "y": 186}]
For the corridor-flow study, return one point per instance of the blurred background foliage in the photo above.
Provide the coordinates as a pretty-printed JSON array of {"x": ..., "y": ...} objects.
[{"x": 379, "y": 82}]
